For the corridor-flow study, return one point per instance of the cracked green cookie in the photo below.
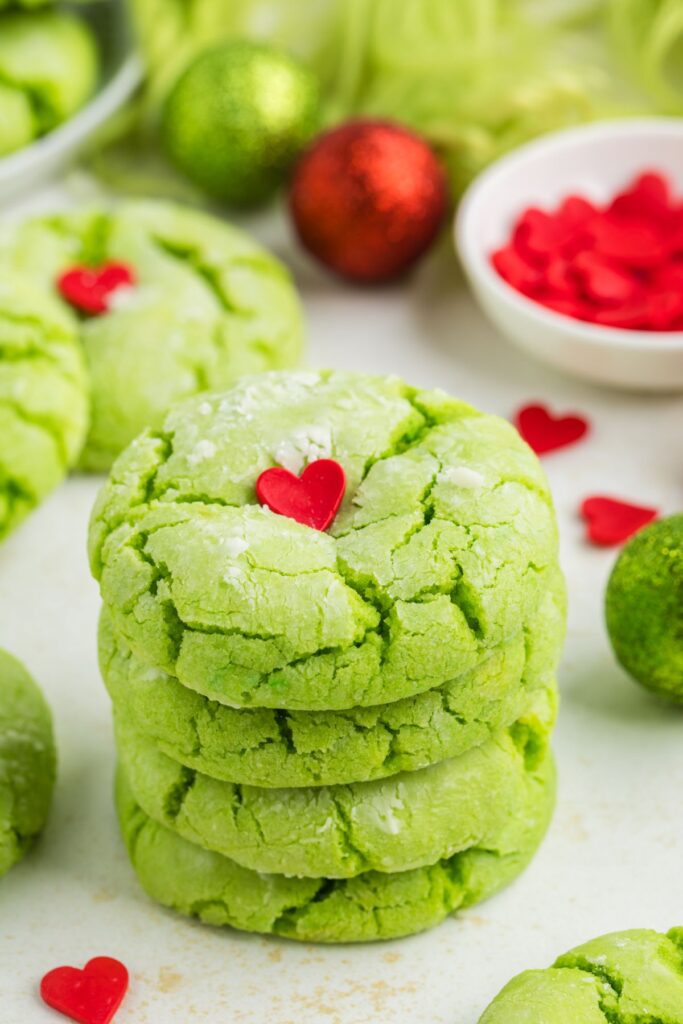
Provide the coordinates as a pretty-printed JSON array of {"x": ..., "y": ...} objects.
[
  {"x": 409, "y": 821},
  {"x": 439, "y": 550},
  {"x": 43, "y": 398},
  {"x": 27, "y": 761},
  {"x": 49, "y": 65},
  {"x": 369, "y": 907},
  {"x": 209, "y": 305},
  {"x": 633, "y": 977},
  {"x": 266, "y": 747}
]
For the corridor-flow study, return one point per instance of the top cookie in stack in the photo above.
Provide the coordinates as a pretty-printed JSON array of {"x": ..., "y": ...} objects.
[{"x": 244, "y": 648}]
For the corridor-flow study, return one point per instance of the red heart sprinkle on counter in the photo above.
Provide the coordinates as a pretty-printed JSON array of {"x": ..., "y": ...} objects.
[
  {"x": 545, "y": 432},
  {"x": 312, "y": 498},
  {"x": 90, "y": 996},
  {"x": 611, "y": 521},
  {"x": 90, "y": 289}
]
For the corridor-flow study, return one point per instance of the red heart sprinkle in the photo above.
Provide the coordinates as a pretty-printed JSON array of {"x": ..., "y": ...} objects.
[
  {"x": 631, "y": 243},
  {"x": 516, "y": 271},
  {"x": 90, "y": 996},
  {"x": 670, "y": 276},
  {"x": 90, "y": 288},
  {"x": 537, "y": 235},
  {"x": 647, "y": 198},
  {"x": 312, "y": 498},
  {"x": 603, "y": 281},
  {"x": 611, "y": 521},
  {"x": 576, "y": 212},
  {"x": 634, "y": 315},
  {"x": 666, "y": 308},
  {"x": 560, "y": 279},
  {"x": 675, "y": 235},
  {"x": 545, "y": 432}
]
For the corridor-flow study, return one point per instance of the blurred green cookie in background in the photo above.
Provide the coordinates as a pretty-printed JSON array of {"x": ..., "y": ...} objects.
[
  {"x": 644, "y": 607},
  {"x": 624, "y": 977},
  {"x": 27, "y": 761},
  {"x": 43, "y": 397},
  {"x": 49, "y": 66},
  {"x": 205, "y": 305}
]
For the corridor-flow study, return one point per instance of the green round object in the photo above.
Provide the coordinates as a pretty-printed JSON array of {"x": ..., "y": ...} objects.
[
  {"x": 437, "y": 555},
  {"x": 49, "y": 66},
  {"x": 209, "y": 305},
  {"x": 626, "y": 976},
  {"x": 237, "y": 118},
  {"x": 43, "y": 397},
  {"x": 27, "y": 761},
  {"x": 644, "y": 607}
]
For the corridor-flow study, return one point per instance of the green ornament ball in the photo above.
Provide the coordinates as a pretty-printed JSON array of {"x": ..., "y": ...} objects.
[
  {"x": 644, "y": 607},
  {"x": 237, "y": 118}
]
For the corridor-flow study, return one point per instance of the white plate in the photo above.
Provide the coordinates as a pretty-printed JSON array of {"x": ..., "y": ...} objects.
[
  {"x": 595, "y": 161},
  {"x": 121, "y": 74}
]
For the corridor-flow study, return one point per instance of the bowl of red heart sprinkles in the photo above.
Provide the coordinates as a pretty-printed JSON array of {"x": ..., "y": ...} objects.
[{"x": 574, "y": 247}]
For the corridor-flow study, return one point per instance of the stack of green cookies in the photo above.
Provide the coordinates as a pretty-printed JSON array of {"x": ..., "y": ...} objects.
[{"x": 340, "y": 735}]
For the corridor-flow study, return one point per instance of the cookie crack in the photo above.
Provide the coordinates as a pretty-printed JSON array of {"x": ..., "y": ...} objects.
[{"x": 174, "y": 800}]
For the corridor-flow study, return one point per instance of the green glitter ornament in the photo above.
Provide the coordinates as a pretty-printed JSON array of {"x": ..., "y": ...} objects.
[
  {"x": 237, "y": 118},
  {"x": 644, "y": 607}
]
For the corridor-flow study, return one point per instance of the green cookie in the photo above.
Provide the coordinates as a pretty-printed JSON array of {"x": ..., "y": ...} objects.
[
  {"x": 409, "y": 821},
  {"x": 48, "y": 69},
  {"x": 366, "y": 908},
  {"x": 27, "y": 761},
  {"x": 631, "y": 977},
  {"x": 272, "y": 748},
  {"x": 209, "y": 305},
  {"x": 436, "y": 556},
  {"x": 644, "y": 607},
  {"x": 43, "y": 398}
]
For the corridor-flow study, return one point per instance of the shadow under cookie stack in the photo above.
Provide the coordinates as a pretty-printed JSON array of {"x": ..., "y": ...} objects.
[{"x": 331, "y": 735}]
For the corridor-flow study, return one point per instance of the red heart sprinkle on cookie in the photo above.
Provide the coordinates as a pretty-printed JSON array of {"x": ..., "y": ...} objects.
[
  {"x": 611, "y": 521},
  {"x": 90, "y": 289},
  {"x": 312, "y": 498},
  {"x": 545, "y": 432},
  {"x": 90, "y": 996}
]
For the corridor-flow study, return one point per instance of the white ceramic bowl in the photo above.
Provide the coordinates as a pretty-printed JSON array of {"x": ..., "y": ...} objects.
[
  {"x": 596, "y": 160},
  {"x": 121, "y": 74}
]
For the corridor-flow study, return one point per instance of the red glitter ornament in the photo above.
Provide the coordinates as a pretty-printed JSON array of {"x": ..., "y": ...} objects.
[{"x": 368, "y": 199}]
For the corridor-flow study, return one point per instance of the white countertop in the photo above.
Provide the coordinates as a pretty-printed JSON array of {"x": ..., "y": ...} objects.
[{"x": 613, "y": 856}]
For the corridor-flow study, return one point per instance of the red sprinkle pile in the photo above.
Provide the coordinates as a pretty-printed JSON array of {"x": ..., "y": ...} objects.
[{"x": 619, "y": 265}]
